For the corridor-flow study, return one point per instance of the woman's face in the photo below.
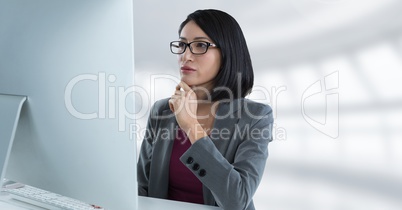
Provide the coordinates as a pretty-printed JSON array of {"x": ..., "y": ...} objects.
[{"x": 198, "y": 70}]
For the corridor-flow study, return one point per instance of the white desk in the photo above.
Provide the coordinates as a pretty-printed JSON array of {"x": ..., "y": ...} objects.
[{"x": 144, "y": 203}]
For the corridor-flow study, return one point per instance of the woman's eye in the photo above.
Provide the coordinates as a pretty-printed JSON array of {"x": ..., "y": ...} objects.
[
  {"x": 201, "y": 45},
  {"x": 182, "y": 44}
]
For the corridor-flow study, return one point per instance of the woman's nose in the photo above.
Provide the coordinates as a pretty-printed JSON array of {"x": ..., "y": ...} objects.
[{"x": 187, "y": 55}]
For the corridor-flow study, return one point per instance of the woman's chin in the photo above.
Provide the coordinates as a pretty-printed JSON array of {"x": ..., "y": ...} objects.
[{"x": 188, "y": 82}]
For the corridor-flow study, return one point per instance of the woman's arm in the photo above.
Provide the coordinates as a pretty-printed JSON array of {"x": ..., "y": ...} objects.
[
  {"x": 233, "y": 184},
  {"x": 144, "y": 163}
]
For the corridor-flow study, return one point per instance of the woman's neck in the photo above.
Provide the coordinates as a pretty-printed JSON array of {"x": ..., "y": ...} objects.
[{"x": 203, "y": 92}]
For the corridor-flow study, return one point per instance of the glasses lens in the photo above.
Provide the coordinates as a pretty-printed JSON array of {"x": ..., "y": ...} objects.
[
  {"x": 199, "y": 47},
  {"x": 177, "y": 47}
]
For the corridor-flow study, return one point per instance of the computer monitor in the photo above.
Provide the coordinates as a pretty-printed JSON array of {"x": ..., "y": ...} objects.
[{"x": 74, "y": 61}]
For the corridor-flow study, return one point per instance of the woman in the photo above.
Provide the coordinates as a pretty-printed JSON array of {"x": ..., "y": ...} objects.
[{"x": 207, "y": 143}]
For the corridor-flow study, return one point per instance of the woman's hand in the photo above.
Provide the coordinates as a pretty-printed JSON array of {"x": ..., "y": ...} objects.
[{"x": 183, "y": 104}]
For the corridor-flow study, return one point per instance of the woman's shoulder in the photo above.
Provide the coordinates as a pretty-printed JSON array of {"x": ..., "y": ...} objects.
[
  {"x": 160, "y": 106},
  {"x": 256, "y": 110},
  {"x": 251, "y": 106},
  {"x": 245, "y": 109},
  {"x": 255, "y": 104}
]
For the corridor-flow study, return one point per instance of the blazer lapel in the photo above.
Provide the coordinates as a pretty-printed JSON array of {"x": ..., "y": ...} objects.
[
  {"x": 165, "y": 136},
  {"x": 226, "y": 119}
]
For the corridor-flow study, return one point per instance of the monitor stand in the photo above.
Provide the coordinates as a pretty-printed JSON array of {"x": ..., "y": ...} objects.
[{"x": 10, "y": 109}]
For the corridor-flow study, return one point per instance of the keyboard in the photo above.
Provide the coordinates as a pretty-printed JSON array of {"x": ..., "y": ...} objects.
[{"x": 45, "y": 199}]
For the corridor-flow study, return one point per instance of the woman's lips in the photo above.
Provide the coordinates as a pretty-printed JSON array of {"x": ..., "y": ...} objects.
[{"x": 187, "y": 69}]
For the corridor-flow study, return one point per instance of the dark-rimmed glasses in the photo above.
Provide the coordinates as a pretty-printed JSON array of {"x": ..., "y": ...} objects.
[{"x": 196, "y": 47}]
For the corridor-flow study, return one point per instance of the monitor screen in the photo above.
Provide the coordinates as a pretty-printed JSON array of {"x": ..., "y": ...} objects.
[{"x": 74, "y": 61}]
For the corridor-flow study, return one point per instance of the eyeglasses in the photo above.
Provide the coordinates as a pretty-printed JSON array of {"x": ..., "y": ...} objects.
[{"x": 196, "y": 47}]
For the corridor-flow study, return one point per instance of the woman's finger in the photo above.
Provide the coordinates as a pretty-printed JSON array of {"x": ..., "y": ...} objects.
[
  {"x": 179, "y": 92},
  {"x": 171, "y": 105},
  {"x": 184, "y": 85}
]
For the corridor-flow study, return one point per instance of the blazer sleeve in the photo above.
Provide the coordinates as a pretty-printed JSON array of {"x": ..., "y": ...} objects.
[
  {"x": 233, "y": 184},
  {"x": 145, "y": 156},
  {"x": 143, "y": 166}
]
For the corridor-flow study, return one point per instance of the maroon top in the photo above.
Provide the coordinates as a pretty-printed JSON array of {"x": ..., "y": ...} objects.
[{"x": 183, "y": 184}]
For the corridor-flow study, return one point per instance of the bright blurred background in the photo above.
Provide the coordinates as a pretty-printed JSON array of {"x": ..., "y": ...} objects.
[{"x": 332, "y": 72}]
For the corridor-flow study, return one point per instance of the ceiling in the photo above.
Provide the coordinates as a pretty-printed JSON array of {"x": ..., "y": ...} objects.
[{"x": 278, "y": 32}]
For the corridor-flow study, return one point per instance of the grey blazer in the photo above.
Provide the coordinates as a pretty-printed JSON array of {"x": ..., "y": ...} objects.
[{"x": 231, "y": 160}]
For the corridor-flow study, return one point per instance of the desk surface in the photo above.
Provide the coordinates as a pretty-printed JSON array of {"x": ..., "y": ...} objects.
[{"x": 144, "y": 203}]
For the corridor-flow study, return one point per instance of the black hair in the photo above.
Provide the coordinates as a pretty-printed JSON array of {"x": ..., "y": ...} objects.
[{"x": 236, "y": 65}]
